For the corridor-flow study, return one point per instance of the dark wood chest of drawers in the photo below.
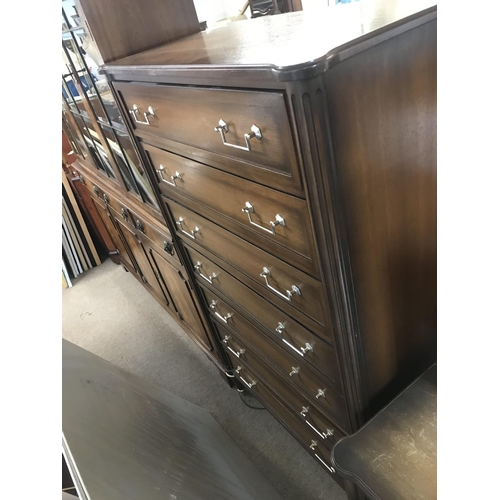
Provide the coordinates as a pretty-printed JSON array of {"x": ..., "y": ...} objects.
[{"x": 298, "y": 180}]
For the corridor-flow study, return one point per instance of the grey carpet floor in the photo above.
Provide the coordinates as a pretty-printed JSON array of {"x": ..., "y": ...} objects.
[{"x": 110, "y": 314}]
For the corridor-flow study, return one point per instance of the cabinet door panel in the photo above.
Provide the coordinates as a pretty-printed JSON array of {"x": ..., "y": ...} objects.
[
  {"x": 147, "y": 272},
  {"x": 113, "y": 234},
  {"x": 182, "y": 298}
]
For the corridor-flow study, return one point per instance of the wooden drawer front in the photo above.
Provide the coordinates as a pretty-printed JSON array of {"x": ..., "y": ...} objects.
[
  {"x": 293, "y": 424},
  {"x": 251, "y": 261},
  {"x": 189, "y": 116},
  {"x": 261, "y": 311},
  {"x": 322, "y": 356},
  {"x": 228, "y": 195},
  {"x": 298, "y": 374},
  {"x": 301, "y": 406}
]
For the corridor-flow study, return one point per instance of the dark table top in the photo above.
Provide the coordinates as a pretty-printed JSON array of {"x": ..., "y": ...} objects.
[
  {"x": 125, "y": 439},
  {"x": 287, "y": 42},
  {"x": 393, "y": 456}
]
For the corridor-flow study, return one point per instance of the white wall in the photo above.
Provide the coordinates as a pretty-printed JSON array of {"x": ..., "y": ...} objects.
[{"x": 215, "y": 10}]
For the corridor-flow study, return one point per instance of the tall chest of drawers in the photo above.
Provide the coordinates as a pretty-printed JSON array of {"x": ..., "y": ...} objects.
[{"x": 294, "y": 161}]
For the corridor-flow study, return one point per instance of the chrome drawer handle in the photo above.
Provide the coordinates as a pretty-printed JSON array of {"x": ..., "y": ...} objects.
[
  {"x": 302, "y": 351},
  {"x": 322, "y": 435},
  {"x": 321, "y": 393},
  {"x": 280, "y": 221},
  {"x": 289, "y": 293},
  {"x": 210, "y": 278},
  {"x": 135, "y": 111},
  {"x": 213, "y": 306},
  {"x": 313, "y": 445},
  {"x": 331, "y": 469},
  {"x": 229, "y": 348},
  {"x": 295, "y": 370},
  {"x": 191, "y": 234},
  {"x": 222, "y": 128},
  {"x": 160, "y": 171},
  {"x": 249, "y": 385}
]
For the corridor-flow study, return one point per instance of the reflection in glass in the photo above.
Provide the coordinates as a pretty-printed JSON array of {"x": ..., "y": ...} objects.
[
  {"x": 68, "y": 97},
  {"x": 70, "y": 18},
  {"x": 73, "y": 136},
  {"x": 94, "y": 83},
  {"x": 95, "y": 146},
  {"x": 137, "y": 170}
]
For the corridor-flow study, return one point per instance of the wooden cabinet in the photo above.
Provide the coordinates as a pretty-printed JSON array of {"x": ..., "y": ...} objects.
[
  {"x": 294, "y": 164},
  {"x": 180, "y": 291},
  {"x": 110, "y": 230},
  {"x": 118, "y": 193}
]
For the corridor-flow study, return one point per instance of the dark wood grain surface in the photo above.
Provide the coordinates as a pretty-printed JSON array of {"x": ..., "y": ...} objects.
[
  {"x": 130, "y": 440},
  {"x": 291, "y": 337},
  {"x": 251, "y": 260},
  {"x": 189, "y": 115},
  {"x": 383, "y": 111},
  {"x": 394, "y": 456},
  {"x": 119, "y": 28},
  {"x": 277, "y": 42},
  {"x": 227, "y": 195}
]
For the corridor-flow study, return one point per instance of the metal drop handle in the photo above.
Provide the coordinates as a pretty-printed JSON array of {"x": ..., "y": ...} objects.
[
  {"x": 213, "y": 306},
  {"x": 266, "y": 273},
  {"x": 322, "y": 435},
  {"x": 279, "y": 220},
  {"x": 255, "y": 131},
  {"x": 313, "y": 445},
  {"x": 210, "y": 279},
  {"x": 301, "y": 351},
  {"x": 191, "y": 234},
  {"x": 295, "y": 371},
  {"x": 331, "y": 469},
  {"x": 229, "y": 348},
  {"x": 135, "y": 111},
  {"x": 249, "y": 385},
  {"x": 160, "y": 171}
]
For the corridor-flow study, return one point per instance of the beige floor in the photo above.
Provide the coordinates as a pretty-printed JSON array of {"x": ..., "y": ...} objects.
[{"x": 110, "y": 314}]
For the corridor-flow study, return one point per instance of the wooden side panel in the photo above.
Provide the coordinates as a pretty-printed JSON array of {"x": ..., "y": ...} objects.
[
  {"x": 383, "y": 108},
  {"x": 123, "y": 27}
]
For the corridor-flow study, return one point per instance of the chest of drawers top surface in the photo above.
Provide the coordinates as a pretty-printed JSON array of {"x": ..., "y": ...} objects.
[{"x": 285, "y": 47}]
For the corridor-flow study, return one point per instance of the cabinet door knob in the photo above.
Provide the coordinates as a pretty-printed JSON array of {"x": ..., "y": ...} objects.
[
  {"x": 168, "y": 247},
  {"x": 139, "y": 225}
]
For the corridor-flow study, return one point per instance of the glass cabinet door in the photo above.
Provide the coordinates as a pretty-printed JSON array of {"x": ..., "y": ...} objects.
[
  {"x": 86, "y": 91},
  {"x": 140, "y": 179}
]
